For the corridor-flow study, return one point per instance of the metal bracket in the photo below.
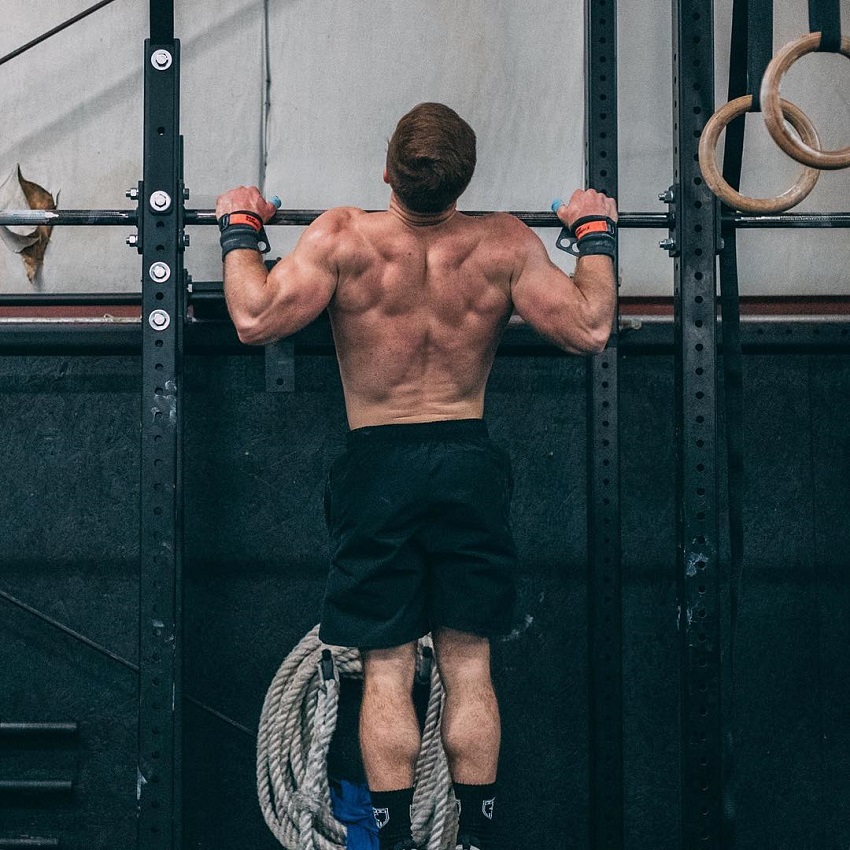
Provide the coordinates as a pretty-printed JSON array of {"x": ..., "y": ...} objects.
[
  {"x": 673, "y": 241},
  {"x": 136, "y": 240},
  {"x": 280, "y": 367}
]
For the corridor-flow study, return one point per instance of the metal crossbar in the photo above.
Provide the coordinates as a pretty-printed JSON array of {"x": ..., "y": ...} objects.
[{"x": 302, "y": 218}]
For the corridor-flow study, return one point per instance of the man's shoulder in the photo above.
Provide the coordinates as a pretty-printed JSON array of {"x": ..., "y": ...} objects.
[
  {"x": 337, "y": 217},
  {"x": 504, "y": 223},
  {"x": 337, "y": 221},
  {"x": 333, "y": 225},
  {"x": 508, "y": 231}
]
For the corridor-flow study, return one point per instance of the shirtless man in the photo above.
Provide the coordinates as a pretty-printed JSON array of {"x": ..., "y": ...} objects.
[{"x": 418, "y": 505}]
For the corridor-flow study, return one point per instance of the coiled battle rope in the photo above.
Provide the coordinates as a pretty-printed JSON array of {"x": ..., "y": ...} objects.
[{"x": 296, "y": 727}]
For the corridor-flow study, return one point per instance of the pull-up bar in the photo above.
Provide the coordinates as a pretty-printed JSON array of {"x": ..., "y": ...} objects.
[{"x": 628, "y": 220}]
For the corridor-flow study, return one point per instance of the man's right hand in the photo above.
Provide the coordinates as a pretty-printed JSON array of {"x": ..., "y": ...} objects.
[
  {"x": 586, "y": 202},
  {"x": 245, "y": 198}
]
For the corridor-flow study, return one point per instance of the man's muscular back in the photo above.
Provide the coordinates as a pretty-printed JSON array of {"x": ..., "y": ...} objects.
[
  {"x": 417, "y": 314},
  {"x": 418, "y": 303}
]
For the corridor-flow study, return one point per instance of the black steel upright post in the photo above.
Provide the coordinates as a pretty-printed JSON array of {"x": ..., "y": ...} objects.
[
  {"x": 604, "y": 572},
  {"x": 160, "y": 221},
  {"x": 696, "y": 432}
]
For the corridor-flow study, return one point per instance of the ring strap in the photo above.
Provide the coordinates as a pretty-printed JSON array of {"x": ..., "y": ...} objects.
[
  {"x": 738, "y": 74},
  {"x": 744, "y": 28},
  {"x": 825, "y": 18},
  {"x": 743, "y": 75},
  {"x": 729, "y": 291},
  {"x": 757, "y": 47}
]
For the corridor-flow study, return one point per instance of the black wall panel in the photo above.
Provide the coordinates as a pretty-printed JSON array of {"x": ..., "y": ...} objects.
[
  {"x": 650, "y": 648},
  {"x": 830, "y": 430},
  {"x": 255, "y": 568},
  {"x": 776, "y": 665},
  {"x": 69, "y": 547}
]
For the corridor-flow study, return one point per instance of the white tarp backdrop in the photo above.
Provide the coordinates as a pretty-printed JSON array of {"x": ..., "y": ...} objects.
[{"x": 341, "y": 73}]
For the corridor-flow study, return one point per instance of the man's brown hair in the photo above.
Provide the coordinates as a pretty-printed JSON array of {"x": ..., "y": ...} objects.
[{"x": 430, "y": 158}]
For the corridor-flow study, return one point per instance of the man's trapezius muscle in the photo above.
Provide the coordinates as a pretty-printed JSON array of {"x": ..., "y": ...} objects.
[{"x": 417, "y": 508}]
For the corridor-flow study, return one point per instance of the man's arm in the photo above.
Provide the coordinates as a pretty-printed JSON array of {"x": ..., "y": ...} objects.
[
  {"x": 576, "y": 313},
  {"x": 266, "y": 306}
]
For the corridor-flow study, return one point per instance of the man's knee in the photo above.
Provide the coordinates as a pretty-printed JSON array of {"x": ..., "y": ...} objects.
[
  {"x": 462, "y": 658},
  {"x": 389, "y": 669}
]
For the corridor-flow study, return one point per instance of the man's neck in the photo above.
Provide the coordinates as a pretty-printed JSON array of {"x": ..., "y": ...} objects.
[{"x": 418, "y": 219}]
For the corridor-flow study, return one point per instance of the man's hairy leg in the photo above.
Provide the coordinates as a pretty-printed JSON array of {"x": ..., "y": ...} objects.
[
  {"x": 471, "y": 731},
  {"x": 389, "y": 730},
  {"x": 389, "y": 739},
  {"x": 471, "y": 726}
]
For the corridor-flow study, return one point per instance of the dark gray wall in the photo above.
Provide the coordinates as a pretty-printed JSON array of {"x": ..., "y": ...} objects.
[{"x": 256, "y": 552}]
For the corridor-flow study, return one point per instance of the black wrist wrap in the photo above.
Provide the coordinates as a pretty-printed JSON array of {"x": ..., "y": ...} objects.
[
  {"x": 242, "y": 229},
  {"x": 595, "y": 234}
]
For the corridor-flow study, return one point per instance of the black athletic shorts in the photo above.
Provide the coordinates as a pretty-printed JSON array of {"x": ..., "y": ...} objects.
[{"x": 420, "y": 535}]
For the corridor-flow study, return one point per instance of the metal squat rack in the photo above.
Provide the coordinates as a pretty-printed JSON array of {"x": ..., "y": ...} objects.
[{"x": 693, "y": 224}]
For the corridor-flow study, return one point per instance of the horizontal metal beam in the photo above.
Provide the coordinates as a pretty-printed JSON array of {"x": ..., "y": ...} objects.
[
  {"x": 785, "y": 220},
  {"x": 211, "y": 292},
  {"x": 36, "y": 786},
  {"x": 301, "y": 218},
  {"x": 26, "y": 730},
  {"x": 79, "y": 218},
  {"x": 72, "y": 299},
  {"x": 638, "y": 335}
]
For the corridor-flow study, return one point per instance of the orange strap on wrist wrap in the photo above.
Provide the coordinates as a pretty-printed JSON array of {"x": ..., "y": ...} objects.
[
  {"x": 591, "y": 227},
  {"x": 242, "y": 217}
]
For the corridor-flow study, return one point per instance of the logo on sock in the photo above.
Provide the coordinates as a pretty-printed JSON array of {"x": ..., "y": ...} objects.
[
  {"x": 487, "y": 808},
  {"x": 382, "y": 817}
]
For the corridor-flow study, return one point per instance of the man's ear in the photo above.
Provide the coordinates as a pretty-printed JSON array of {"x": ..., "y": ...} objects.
[{"x": 386, "y": 176}]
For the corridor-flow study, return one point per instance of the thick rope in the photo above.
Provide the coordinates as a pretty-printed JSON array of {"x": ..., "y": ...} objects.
[{"x": 296, "y": 727}]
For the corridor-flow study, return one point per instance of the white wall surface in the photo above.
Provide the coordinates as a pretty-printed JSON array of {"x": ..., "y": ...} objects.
[{"x": 341, "y": 74}]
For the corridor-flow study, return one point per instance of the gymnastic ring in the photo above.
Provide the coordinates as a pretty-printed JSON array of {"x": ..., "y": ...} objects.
[
  {"x": 802, "y": 152},
  {"x": 714, "y": 179}
]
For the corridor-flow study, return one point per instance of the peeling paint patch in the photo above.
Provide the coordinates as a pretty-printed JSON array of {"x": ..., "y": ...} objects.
[
  {"x": 167, "y": 402},
  {"x": 38, "y": 198},
  {"x": 29, "y": 243},
  {"x": 519, "y": 630},
  {"x": 693, "y": 560},
  {"x": 140, "y": 783}
]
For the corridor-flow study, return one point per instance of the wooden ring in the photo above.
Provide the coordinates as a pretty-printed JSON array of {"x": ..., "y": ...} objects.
[
  {"x": 799, "y": 150},
  {"x": 714, "y": 179}
]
